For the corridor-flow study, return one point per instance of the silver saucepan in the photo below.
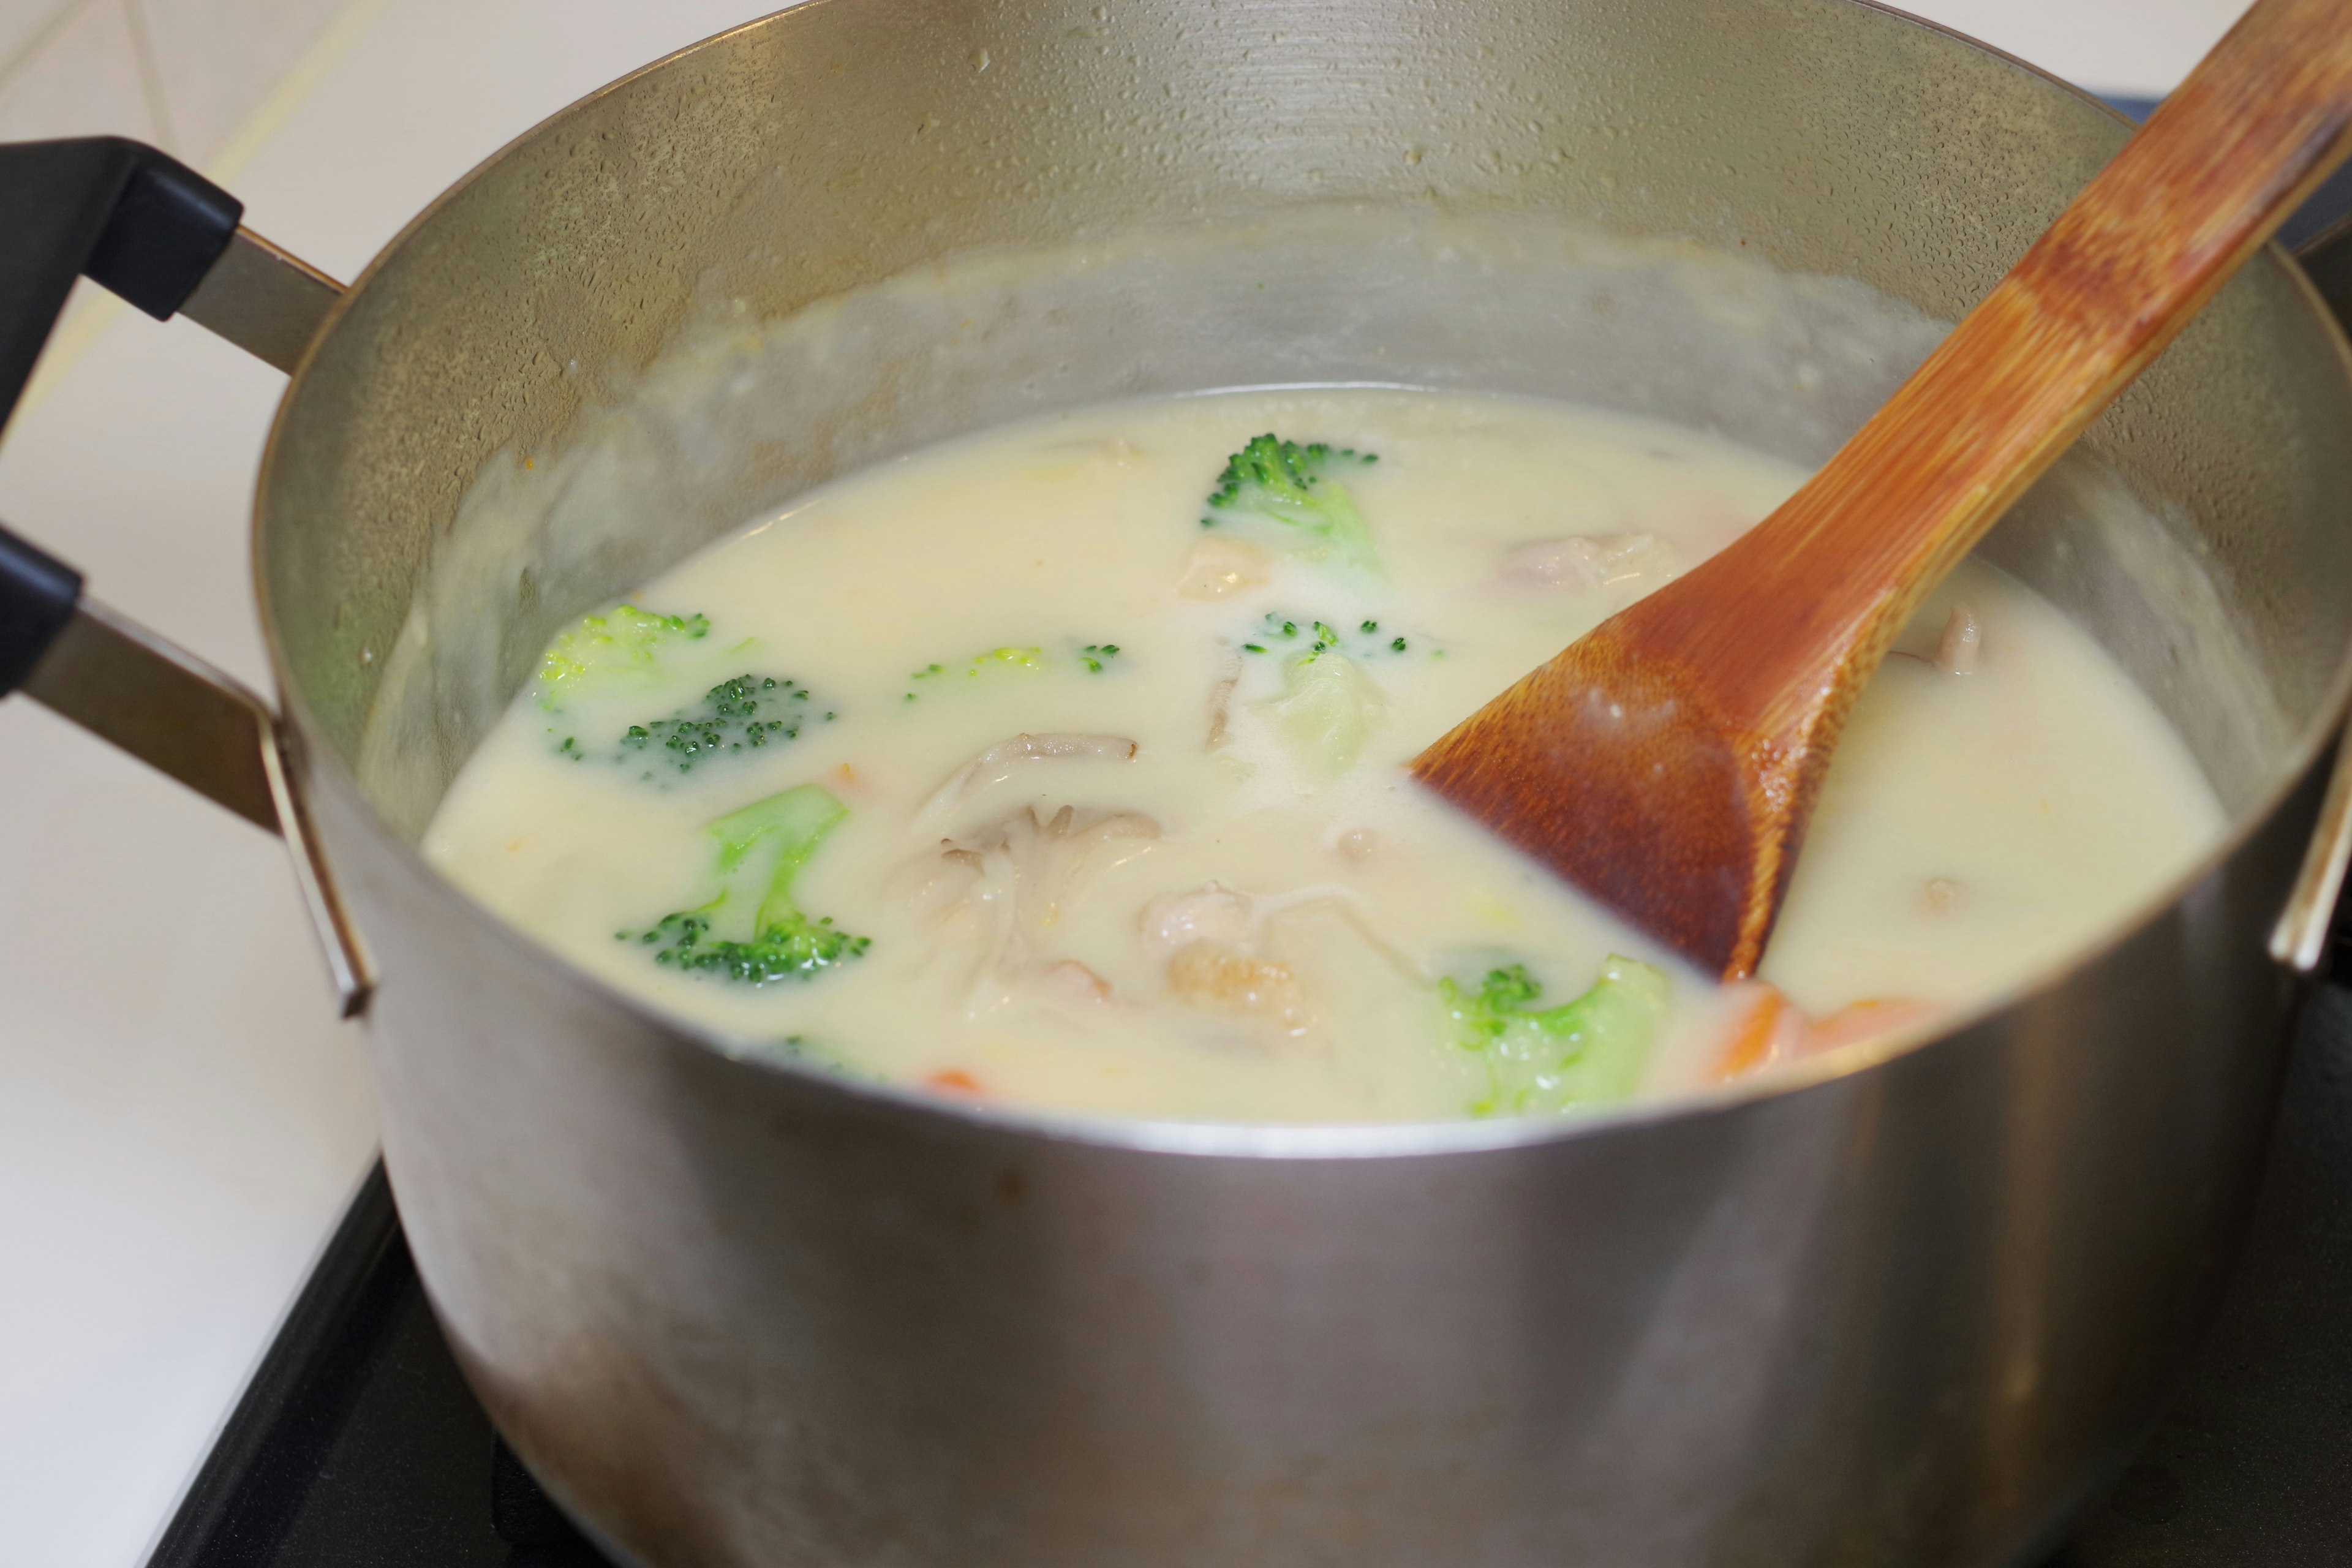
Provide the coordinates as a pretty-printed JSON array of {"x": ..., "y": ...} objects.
[{"x": 1906, "y": 1305}]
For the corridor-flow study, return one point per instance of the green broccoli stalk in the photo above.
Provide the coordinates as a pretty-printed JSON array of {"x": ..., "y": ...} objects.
[
  {"x": 747, "y": 713},
  {"x": 1588, "y": 1051},
  {"x": 1293, "y": 486},
  {"x": 762, "y": 849},
  {"x": 624, "y": 641}
]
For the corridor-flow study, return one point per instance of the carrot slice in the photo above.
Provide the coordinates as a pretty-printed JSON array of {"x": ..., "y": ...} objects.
[
  {"x": 1861, "y": 1020},
  {"x": 954, "y": 1081},
  {"x": 1766, "y": 1029}
]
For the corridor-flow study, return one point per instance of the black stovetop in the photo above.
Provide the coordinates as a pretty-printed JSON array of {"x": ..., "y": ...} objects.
[{"x": 359, "y": 1447}]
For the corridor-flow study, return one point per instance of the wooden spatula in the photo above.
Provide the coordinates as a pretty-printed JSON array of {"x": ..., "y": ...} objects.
[{"x": 1667, "y": 762}]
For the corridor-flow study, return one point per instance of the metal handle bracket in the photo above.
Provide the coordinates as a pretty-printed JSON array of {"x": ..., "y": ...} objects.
[
  {"x": 198, "y": 725},
  {"x": 266, "y": 300},
  {"x": 2299, "y": 941}
]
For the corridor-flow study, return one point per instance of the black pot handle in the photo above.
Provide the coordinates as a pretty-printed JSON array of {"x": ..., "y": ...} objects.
[
  {"x": 141, "y": 222},
  {"x": 37, "y": 596},
  {"x": 166, "y": 239},
  {"x": 144, "y": 224}
]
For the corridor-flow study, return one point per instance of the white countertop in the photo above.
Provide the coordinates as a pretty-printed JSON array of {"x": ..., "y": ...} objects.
[{"x": 180, "y": 1121}]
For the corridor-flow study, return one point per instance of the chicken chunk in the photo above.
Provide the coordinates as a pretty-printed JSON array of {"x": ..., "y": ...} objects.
[
  {"x": 1220, "y": 568},
  {"x": 1955, "y": 650},
  {"x": 1578, "y": 561},
  {"x": 1211, "y": 974}
]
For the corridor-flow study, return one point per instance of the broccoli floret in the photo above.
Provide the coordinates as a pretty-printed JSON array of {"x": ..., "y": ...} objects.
[
  {"x": 1329, "y": 706},
  {"x": 1275, "y": 628},
  {"x": 1092, "y": 657},
  {"x": 1294, "y": 485},
  {"x": 762, "y": 849},
  {"x": 1327, "y": 710},
  {"x": 743, "y": 714},
  {"x": 994, "y": 660},
  {"x": 1591, "y": 1050},
  {"x": 1008, "y": 660},
  {"x": 622, "y": 641}
]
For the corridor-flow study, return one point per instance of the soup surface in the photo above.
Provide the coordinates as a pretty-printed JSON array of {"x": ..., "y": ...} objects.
[{"x": 1063, "y": 765}]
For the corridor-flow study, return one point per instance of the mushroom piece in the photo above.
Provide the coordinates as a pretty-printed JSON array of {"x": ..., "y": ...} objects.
[
  {"x": 1034, "y": 867},
  {"x": 1221, "y": 698},
  {"x": 1000, "y": 762},
  {"x": 999, "y": 893},
  {"x": 1955, "y": 650},
  {"x": 1579, "y": 560}
]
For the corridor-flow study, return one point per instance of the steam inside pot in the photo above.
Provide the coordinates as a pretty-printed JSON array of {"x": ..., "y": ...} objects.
[{"x": 1063, "y": 765}]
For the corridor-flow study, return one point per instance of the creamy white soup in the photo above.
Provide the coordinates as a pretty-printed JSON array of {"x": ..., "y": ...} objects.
[{"x": 1063, "y": 765}]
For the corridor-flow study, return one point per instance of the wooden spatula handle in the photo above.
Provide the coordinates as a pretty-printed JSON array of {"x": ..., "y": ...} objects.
[{"x": 2225, "y": 159}]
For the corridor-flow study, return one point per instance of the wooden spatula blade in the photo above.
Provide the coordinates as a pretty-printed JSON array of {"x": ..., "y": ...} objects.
[{"x": 1621, "y": 771}]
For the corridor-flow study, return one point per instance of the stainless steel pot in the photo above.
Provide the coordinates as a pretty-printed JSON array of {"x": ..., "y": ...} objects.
[{"x": 1906, "y": 1305}]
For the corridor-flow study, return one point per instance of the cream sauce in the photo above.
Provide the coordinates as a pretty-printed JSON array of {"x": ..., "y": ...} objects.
[{"x": 1246, "y": 912}]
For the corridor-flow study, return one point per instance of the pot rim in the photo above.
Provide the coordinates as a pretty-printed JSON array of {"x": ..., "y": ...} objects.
[{"x": 1281, "y": 1140}]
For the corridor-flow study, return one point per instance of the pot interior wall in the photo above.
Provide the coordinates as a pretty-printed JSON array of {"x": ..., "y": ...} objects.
[{"x": 869, "y": 223}]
